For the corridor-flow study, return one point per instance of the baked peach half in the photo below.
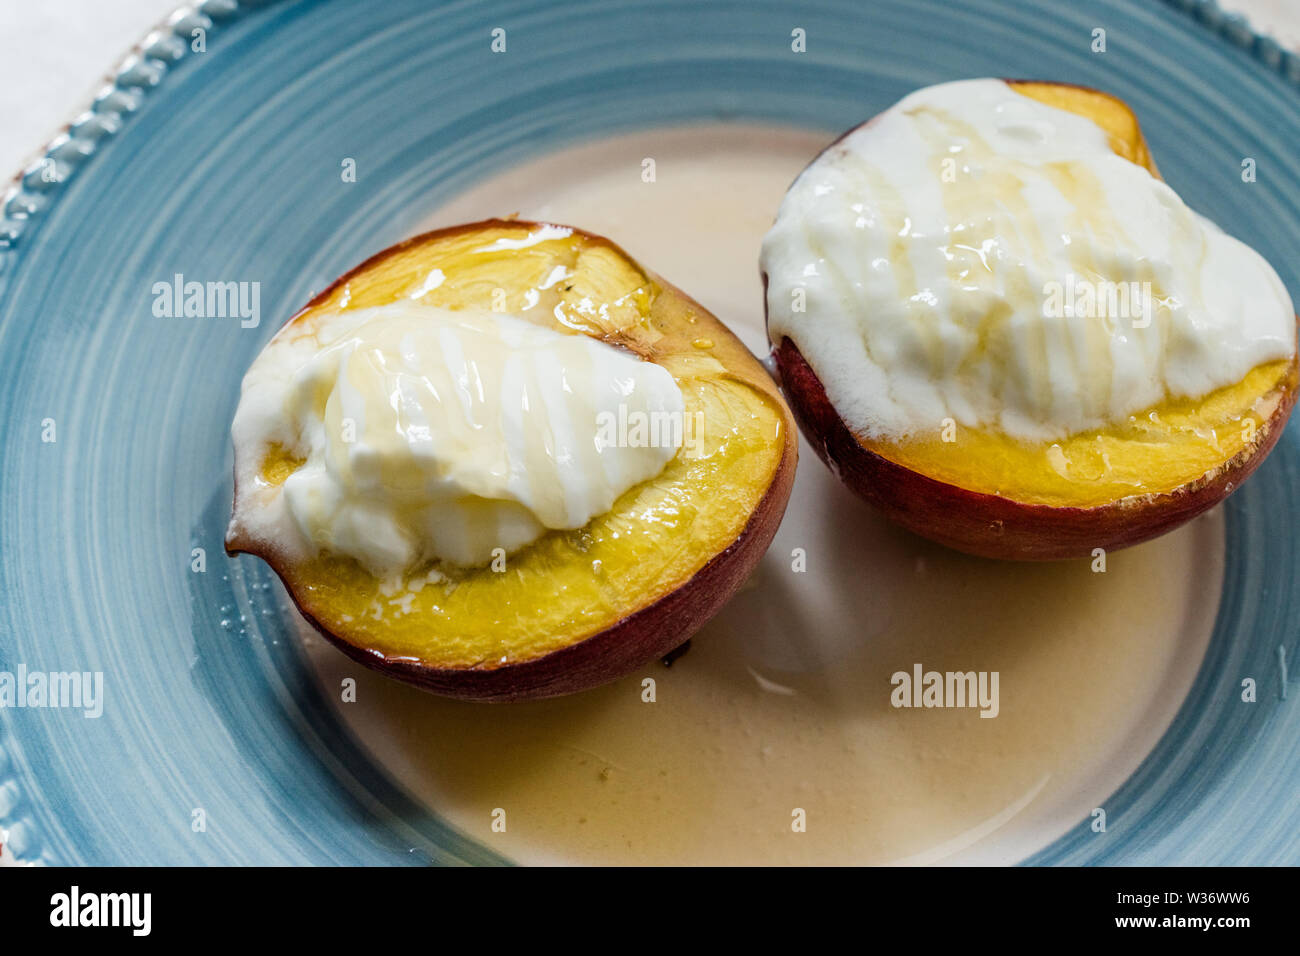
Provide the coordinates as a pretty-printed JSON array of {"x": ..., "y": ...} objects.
[
  {"x": 438, "y": 501},
  {"x": 995, "y": 323}
]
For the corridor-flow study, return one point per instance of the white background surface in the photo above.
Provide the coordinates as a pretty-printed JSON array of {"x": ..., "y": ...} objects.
[{"x": 54, "y": 54}]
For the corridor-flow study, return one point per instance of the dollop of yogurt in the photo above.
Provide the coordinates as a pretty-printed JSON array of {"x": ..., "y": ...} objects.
[
  {"x": 421, "y": 433},
  {"x": 976, "y": 255}
]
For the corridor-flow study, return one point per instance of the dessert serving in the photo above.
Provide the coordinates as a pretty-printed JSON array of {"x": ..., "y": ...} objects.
[
  {"x": 996, "y": 323},
  {"x": 503, "y": 460}
]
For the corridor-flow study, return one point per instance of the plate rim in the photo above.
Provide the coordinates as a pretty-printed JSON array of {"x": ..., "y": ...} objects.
[{"x": 146, "y": 65}]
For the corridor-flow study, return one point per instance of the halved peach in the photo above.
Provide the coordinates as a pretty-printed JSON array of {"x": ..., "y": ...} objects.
[
  {"x": 989, "y": 495},
  {"x": 575, "y": 608}
]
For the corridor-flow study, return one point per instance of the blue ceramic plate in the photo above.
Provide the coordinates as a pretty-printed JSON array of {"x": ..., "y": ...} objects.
[{"x": 210, "y": 163}]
